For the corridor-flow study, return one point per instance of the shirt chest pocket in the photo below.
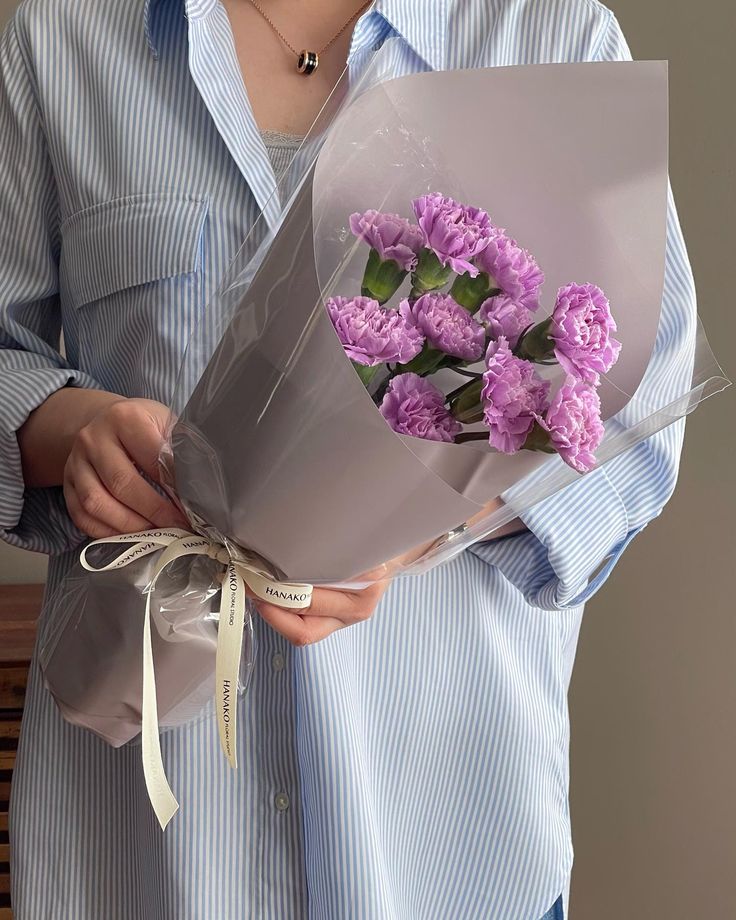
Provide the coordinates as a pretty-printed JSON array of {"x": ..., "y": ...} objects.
[{"x": 131, "y": 287}]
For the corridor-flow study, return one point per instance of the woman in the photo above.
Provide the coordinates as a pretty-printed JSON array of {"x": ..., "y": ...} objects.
[{"x": 412, "y": 767}]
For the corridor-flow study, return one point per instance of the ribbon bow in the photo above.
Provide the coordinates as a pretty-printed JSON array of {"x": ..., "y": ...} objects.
[{"x": 238, "y": 573}]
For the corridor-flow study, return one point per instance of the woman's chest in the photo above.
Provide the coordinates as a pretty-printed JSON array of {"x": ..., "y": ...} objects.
[
  {"x": 160, "y": 171},
  {"x": 153, "y": 205}
]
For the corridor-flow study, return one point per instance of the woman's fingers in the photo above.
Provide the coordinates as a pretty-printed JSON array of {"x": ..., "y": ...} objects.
[
  {"x": 347, "y": 606},
  {"x": 138, "y": 425},
  {"x": 330, "y": 610},
  {"x": 91, "y": 505},
  {"x": 300, "y": 629},
  {"x": 87, "y": 524},
  {"x": 105, "y": 483},
  {"x": 125, "y": 484}
]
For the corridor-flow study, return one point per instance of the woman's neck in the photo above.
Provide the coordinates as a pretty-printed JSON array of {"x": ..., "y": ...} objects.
[{"x": 283, "y": 99}]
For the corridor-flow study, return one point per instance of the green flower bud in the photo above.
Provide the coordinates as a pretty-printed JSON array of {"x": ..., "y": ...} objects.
[
  {"x": 466, "y": 407},
  {"x": 429, "y": 275},
  {"x": 536, "y": 345},
  {"x": 381, "y": 280},
  {"x": 538, "y": 439},
  {"x": 471, "y": 292},
  {"x": 365, "y": 372}
]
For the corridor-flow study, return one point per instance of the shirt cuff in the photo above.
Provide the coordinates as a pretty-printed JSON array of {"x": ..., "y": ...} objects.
[
  {"x": 575, "y": 538},
  {"x": 35, "y": 519}
]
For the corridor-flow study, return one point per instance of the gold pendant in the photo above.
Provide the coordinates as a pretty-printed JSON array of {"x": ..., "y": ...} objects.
[{"x": 308, "y": 62}]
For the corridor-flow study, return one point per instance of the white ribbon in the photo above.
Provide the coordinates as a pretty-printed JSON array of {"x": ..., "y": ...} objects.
[{"x": 175, "y": 544}]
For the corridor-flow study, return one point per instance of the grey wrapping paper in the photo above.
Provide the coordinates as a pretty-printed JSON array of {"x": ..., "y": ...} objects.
[{"x": 280, "y": 449}]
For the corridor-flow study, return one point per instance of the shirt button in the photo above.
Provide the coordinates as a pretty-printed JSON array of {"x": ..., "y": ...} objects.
[
  {"x": 277, "y": 662},
  {"x": 281, "y": 801}
]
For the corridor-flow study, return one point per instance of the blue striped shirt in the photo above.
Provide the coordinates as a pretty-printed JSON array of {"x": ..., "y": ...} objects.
[{"x": 411, "y": 767}]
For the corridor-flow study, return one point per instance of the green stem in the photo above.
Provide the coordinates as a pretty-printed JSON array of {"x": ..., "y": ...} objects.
[
  {"x": 471, "y": 436},
  {"x": 469, "y": 416},
  {"x": 459, "y": 391},
  {"x": 465, "y": 373},
  {"x": 465, "y": 403},
  {"x": 427, "y": 361},
  {"x": 381, "y": 391}
]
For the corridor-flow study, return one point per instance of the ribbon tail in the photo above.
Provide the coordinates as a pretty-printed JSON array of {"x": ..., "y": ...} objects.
[
  {"x": 162, "y": 798},
  {"x": 178, "y": 543},
  {"x": 227, "y": 660}
]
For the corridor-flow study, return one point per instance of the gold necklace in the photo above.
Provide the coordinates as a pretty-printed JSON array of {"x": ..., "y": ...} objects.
[{"x": 308, "y": 61}]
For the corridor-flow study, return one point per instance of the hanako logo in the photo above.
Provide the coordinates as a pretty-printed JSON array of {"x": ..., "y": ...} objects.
[{"x": 281, "y": 595}]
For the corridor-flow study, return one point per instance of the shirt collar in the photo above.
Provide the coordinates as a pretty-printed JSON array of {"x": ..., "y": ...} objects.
[{"x": 421, "y": 23}]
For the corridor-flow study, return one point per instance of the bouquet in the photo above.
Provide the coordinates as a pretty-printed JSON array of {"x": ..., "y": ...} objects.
[
  {"x": 488, "y": 312},
  {"x": 345, "y": 415}
]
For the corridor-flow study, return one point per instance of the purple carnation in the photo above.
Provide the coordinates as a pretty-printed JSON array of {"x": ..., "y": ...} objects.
[
  {"x": 513, "y": 269},
  {"x": 454, "y": 232},
  {"x": 392, "y": 237},
  {"x": 505, "y": 318},
  {"x": 573, "y": 421},
  {"x": 372, "y": 334},
  {"x": 513, "y": 397},
  {"x": 581, "y": 330},
  {"x": 412, "y": 405},
  {"x": 448, "y": 327}
]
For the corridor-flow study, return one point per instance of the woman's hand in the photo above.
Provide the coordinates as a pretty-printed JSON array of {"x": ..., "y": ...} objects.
[
  {"x": 104, "y": 487},
  {"x": 98, "y": 445},
  {"x": 332, "y": 608}
]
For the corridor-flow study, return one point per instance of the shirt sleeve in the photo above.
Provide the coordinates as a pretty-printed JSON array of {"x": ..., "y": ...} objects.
[
  {"x": 576, "y": 536},
  {"x": 31, "y": 366}
]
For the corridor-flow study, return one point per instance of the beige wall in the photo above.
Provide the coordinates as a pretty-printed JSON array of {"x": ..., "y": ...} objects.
[{"x": 653, "y": 697}]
